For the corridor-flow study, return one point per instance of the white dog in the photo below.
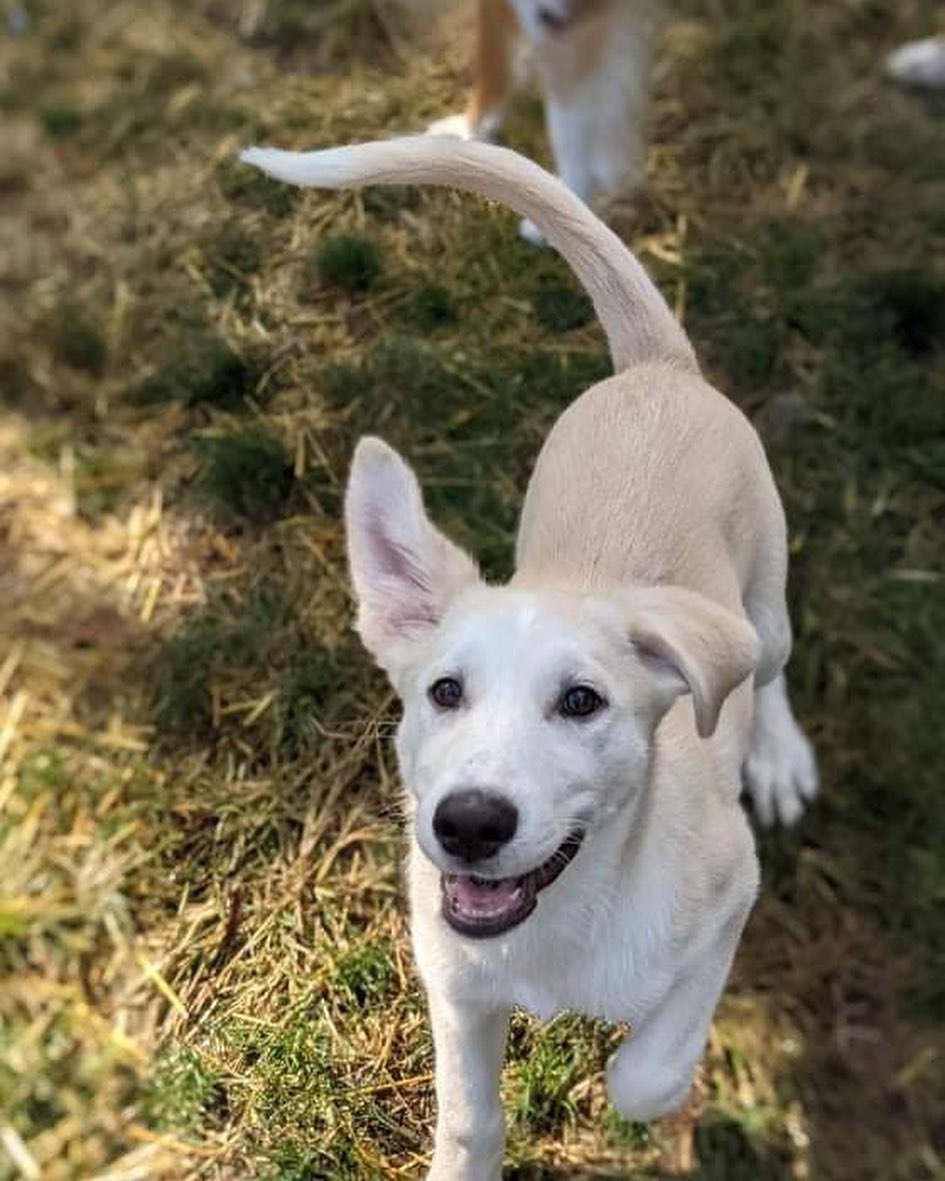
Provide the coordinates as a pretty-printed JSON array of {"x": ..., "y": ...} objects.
[
  {"x": 592, "y": 61},
  {"x": 573, "y": 743}
]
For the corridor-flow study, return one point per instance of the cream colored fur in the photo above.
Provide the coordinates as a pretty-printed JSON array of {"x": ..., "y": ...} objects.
[{"x": 650, "y": 564}]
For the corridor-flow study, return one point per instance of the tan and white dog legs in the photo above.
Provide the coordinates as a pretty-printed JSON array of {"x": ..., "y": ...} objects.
[
  {"x": 592, "y": 60},
  {"x": 498, "y": 44},
  {"x": 595, "y": 115}
]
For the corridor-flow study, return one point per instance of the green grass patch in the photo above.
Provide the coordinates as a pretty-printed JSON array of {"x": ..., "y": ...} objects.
[
  {"x": 76, "y": 337},
  {"x": 182, "y": 1090},
  {"x": 728, "y": 1150},
  {"x": 431, "y": 307},
  {"x": 365, "y": 974},
  {"x": 211, "y": 648},
  {"x": 907, "y": 306},
  {"x": 628, "y": 1134},
  {"x": 349, "y": 262},
  {"x": 232, "y": 254},
  {"x": 475, "y": 429},
  {"x": 245, "y": 475},
  {"x": 203, "y": 370},
  {"x": 14, "y": 382},
  {"x": 312, "y": 688},
  {"x": 309, "y": 1081},
  {"x": 259, "y": 637},
  {"x": 547, "y": 1067},
  {"x": 60, "y": 121},
  {"x": 561, "y": 308}
]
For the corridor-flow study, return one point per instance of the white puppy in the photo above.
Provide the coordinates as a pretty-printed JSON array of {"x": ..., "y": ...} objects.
[
  {"x": 573, "y": 743},
  {"x": 592, "y": 61}
]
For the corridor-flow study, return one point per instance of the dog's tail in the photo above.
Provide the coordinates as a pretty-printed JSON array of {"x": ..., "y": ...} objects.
[{"x": 639, "y": 325}]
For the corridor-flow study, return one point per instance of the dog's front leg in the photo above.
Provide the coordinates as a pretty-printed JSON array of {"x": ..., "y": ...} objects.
[
  {"x": 469, "y": 1049},
  {"x": 651, "y": 1073}
]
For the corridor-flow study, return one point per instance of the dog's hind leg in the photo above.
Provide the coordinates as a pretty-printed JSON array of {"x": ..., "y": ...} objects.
[
  {"x": 469, "y": 1050},
  {"x": 497, "y": 50},
  {"x": 780, "y": 771}
]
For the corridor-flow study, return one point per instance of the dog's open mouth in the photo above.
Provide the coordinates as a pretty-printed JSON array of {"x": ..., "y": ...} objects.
[{"x": 483, "y": 907}]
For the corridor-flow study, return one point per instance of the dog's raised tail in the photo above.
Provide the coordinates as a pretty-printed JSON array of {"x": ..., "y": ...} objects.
[{"x": 638, "y": 323}]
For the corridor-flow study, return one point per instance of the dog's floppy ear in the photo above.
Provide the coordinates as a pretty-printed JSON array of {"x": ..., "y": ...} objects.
[
  {"x": 404, "y": 570},
  {"x": 692, "y": 645}
]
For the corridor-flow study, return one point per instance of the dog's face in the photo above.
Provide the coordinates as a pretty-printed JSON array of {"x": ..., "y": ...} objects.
[
  {"x": 528, "y": 713},
  {"x": 527, "y": 724},
  {"x": 545, "y": 19}
]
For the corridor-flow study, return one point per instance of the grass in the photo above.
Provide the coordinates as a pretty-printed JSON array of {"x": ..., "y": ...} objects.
[
  {"x": 560, "y": 308},
  {"x": 232, "y": 255},
  {"x": 203, "y": 370},
  {"x": 245, "y": 475},
  {"x": 432, "y": 306},
  {"x": 60, "y": 122},
  {"x": 253, "y": 190},
  {"x": 348, "y": 261},
  {"x": 204, "y": 969},
  {"x": 76, "y": 339}
]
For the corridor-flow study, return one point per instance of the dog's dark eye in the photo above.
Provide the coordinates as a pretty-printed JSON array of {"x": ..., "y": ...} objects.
[
  {"x": 580, "y": 701},
  {"x": 446, "y": 693}
]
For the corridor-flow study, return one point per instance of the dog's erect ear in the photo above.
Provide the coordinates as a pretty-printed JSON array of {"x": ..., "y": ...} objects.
[
  {"x": 692, "y": 645},
  {"x": 404, "y": 570}
]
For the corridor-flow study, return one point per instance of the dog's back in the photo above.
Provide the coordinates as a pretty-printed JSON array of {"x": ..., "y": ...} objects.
[{"x": 663, "y": 500}]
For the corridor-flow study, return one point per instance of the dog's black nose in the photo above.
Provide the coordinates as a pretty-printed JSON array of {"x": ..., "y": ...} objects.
[{"x": 474, "y": 824}]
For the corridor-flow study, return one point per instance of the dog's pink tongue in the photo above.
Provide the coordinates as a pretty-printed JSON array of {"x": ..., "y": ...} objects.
[{"x": 483, "y": 900}]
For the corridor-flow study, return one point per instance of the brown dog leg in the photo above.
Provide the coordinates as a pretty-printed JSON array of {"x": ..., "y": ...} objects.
[{"x": 498, "y": 33}]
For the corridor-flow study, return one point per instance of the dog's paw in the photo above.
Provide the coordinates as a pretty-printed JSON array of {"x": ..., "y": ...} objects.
[
  {"x": 642, "y": 1090},
  {"x": 457, "y": 126},
  {"x": 460, "y": 126},
  {"x": 919, "y": 63},
  {"x": 531, "y": 233},
  {"x": 780, "y": 772}
]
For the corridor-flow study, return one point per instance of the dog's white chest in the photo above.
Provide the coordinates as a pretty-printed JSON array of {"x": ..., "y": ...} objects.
[
  {"x": 613, "y": 982},
  {"x": 550, "y": 971},
  {"x": 538, "y": 1001}
]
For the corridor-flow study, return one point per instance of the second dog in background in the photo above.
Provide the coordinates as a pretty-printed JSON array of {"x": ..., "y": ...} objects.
[{"x": 592, "y": 61}]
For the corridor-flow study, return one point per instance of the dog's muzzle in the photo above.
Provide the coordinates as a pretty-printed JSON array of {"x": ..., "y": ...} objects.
[{"x": 481, "y": 907}]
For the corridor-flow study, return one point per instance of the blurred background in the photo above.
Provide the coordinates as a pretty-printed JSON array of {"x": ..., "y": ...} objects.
[{"x": 203, "y": 964}]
